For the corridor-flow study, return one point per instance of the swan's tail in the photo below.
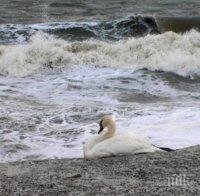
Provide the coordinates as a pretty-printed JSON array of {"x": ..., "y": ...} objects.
[{"x": 164, "y": 149}]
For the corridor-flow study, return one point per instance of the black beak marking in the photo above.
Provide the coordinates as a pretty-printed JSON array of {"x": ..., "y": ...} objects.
[{"x": 101, "y": 127}]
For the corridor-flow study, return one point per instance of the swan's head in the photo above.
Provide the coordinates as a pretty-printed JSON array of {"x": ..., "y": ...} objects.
[{"x": 107, "y": 122}]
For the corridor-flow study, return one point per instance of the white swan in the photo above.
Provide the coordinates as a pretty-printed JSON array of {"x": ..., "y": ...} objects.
[{"x": 108, "y": 143}]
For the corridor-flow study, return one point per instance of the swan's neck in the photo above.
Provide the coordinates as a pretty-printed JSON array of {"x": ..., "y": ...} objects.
[
  {"x": 89, "y": 150},
  {"x": 111, "y": 131}
]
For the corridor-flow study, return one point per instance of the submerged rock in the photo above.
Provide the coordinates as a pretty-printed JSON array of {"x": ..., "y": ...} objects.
[{"x": 174, "y": 173}]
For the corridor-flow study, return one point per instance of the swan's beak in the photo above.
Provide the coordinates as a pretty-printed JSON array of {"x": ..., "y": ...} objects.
[{"x": 101, "y": 129}]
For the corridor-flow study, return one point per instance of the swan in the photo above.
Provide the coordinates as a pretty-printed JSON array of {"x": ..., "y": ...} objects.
[{"x": 108, "y": 143}]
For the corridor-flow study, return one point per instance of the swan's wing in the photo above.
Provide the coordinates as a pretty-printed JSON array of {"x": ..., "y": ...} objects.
[{"x": 90, "y": 143}]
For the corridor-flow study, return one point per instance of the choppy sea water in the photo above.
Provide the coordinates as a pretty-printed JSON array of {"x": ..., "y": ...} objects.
[{"x": 58, "y": 78}]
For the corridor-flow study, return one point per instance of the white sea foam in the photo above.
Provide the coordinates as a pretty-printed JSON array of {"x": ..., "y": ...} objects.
[
  {"x": 79, "y": 98},
  {"x": 175, "y": 129},
  {"x": 170, "y": 117},
  {"x": 58, "y": 25},
  {"x": 177, "y": 53}
]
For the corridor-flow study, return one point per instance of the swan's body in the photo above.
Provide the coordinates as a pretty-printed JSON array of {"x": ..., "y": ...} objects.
[{"x": 109, "y": 143}]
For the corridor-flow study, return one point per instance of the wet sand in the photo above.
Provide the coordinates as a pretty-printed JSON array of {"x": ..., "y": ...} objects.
[{"x": 173, "y": 173}]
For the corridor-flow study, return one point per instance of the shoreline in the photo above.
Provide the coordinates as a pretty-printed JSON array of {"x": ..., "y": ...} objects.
[{"x": 172, "y": 173}]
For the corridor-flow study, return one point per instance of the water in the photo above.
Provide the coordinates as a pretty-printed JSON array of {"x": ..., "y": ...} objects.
[
  {"x": 65, "y": 66},
  {"x": 40, "y": 11}
]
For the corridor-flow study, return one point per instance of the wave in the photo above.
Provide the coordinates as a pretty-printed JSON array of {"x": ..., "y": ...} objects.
[
  {"x": 170, "y": 52},
  {"x": 79, "y": 31},
  {"x": 132, "y": 26}
]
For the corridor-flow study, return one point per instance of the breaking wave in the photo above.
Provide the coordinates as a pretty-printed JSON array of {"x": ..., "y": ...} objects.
[
  {"x": 132, "y": 26},
  {"x": 170, "y": 52}
]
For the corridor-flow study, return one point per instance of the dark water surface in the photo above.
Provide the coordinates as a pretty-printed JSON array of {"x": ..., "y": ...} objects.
[{"x": 40, "y": 11}]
